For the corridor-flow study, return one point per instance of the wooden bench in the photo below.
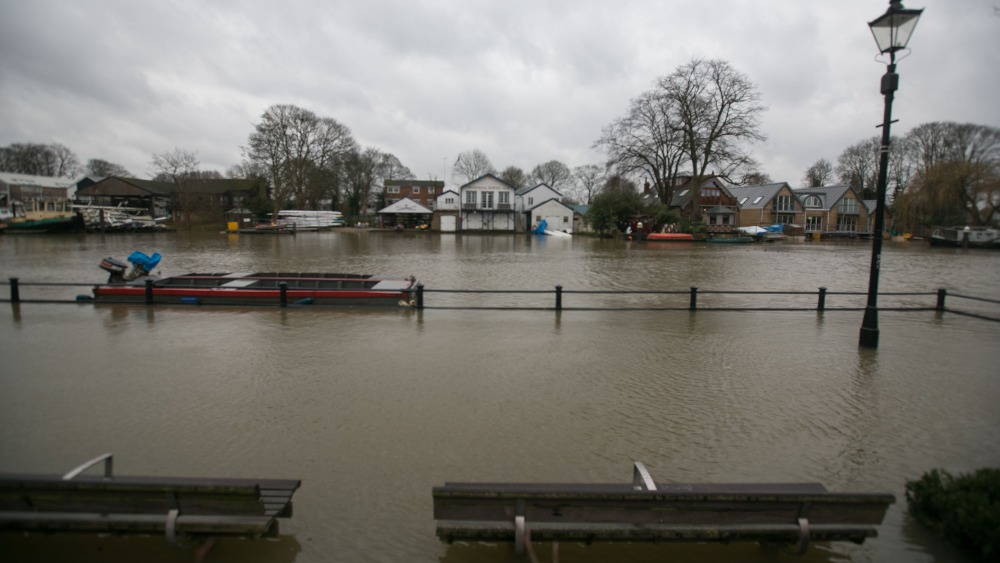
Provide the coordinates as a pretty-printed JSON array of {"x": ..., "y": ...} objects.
[
  {"x": 178, "y": 507},
  {"x": 645, "y": 511}
]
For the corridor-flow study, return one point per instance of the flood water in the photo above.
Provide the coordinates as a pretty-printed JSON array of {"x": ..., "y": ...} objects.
[{"x": 371, "y": 408}]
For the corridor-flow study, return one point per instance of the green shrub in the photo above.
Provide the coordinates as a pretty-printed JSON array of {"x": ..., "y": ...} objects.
[{"x": 965, "y": 509}]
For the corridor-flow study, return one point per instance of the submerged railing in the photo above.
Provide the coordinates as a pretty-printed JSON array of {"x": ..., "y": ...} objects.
[{"x": 560, "y": 299}]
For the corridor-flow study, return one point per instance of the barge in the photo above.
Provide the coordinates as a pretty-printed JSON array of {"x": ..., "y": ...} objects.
[{"x": 139, "y": 285}]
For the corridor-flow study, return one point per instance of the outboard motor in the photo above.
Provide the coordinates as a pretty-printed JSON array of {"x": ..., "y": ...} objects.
[{"x": 119, "y": 272}]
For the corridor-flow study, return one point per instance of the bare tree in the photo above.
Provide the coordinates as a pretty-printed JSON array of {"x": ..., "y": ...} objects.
[
  {"x": 514, "y": 176},
  {"x": 590, "y": 178},
  {"x": 646, "y": 142},
  {"x": 819, "y": 174},
  {"x": 299, "y": 151},
  {"x": 39, "y": 160},
  {"x": 103, "y": 168},
  {"x": 702, "y": 115},
  {"x": 718, "y": 110},
  {"x": 755, "y": 178},
  {"x": 857, "y": 166},
  {"x": 179, "y": 167},
  {"x": 554, "y": 174},
  {"x": 471, "y": 165}
]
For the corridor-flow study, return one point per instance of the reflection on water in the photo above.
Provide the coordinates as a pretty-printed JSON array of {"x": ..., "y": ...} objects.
[
  {"x": 373, "y": 408},
  {"x": 86, "y": 548}
]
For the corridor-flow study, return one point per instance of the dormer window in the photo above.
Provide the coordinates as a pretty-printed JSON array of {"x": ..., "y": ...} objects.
[{"x": 813, "y": 202}]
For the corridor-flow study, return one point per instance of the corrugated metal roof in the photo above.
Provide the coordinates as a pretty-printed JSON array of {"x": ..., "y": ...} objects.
[
  {"x": 14, "y": 179},
  {"x": 829, "y": 195},
  {"x": 755, "y": 197}
]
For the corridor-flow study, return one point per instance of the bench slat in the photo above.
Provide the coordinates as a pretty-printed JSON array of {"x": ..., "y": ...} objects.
[
  {"x": 610, "y": 532},
  {"x": 257, "y": 526}
]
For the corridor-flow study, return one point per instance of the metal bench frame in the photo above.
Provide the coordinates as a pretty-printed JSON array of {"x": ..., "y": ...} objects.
[
  {"x": 784, "y": 513},
  {"x": 200, "y": 508}
]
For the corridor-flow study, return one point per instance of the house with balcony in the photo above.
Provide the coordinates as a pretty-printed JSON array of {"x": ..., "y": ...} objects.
[
  {"x": 767, "y": 204},
  {"x": 833, "y": 211},
  {"x": 712, "y": 202},
  {"x": 487, "y": 205}
]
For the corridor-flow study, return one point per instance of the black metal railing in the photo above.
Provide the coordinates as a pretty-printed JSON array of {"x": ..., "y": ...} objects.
[{"x": 560, "y": 299}]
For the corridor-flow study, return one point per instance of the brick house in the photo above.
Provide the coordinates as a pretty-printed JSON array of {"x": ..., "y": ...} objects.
[{"x": 422, "y": 192}]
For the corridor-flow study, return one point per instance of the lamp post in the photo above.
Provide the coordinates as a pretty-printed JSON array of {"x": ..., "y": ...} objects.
[{"x": 892, "y": 32}]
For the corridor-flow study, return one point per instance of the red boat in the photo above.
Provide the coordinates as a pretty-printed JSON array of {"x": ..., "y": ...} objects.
[{"x": 241, "y": 288}]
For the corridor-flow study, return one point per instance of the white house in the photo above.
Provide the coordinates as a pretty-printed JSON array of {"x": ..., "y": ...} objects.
[
  {"x": 527, "y": 198},
  {"x": 487, "y": 205},
  {"x": 557, "y": 215},
  {"x": 447, "y": 212}
]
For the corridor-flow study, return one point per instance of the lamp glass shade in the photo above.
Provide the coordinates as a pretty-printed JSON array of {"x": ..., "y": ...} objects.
[{"x": 892, "y": 30}]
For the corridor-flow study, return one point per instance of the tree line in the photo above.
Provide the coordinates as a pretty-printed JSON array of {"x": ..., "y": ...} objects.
[{"x": 696, "y": 123}]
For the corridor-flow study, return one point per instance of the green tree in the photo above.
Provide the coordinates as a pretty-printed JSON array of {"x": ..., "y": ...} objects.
[{"x": 616, "y": 205}]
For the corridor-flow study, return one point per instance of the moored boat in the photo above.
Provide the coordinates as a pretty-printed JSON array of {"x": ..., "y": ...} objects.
[
  {"x": 670, "y": 237},
  {"x": 973, "y": 237},
  {"x": 730, "y": 239},
  {"x": 244, "y": 288}
]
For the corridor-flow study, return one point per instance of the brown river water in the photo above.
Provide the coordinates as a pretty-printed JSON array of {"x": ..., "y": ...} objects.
[{"x": 371, "y": 408}]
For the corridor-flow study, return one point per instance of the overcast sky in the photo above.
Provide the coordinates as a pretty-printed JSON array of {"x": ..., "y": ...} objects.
[{"x": 524, "y": 81}]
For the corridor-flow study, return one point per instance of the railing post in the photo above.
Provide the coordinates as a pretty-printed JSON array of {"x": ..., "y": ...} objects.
[
  {"x": 420, "y": 296},
  {"x": 283, "y": 292},
  {"x": 558, "y": 298},
  {"x": 942, "y": 292},
  {"x": 15, "y": 291},
  {"x": 694, "y": 299},
  {"x": 821, "y": 306},
  {"x": 149, "y": 291}
]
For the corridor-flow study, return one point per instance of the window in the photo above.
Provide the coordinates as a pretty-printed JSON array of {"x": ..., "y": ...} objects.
[
  {"x": 449, "y": 200},
  {"x": 531, "y": 201},
  {"x": 848, "y": 206},
  {"x": 470, "y": 197},
  {"x": 813, "y": 202},
  {"x": 757, "y": 199},
  {"x": 784, "y": 219},
  {"x": 783, "y": 203},
  {"x": 487, "y": 200},
  {"x": 743, "y": 200},
  {"x": 710, "y": 192},
  {"x": 416, "y": 190},
  {"x": 683, "y": 193},
  {"x": 814, "y": 223},
  {"x": 392, "y": 189},
  {"x": 504, "y": 198},
  {"x": 565, "y": 219},
  {"x": 430, "y": 204},
  {"x": 847, "y": 223}
]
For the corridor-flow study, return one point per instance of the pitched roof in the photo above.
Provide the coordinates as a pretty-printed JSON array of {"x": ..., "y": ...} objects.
[
  {"x": 501, "y": 180},
  {"x": 683, "y": 193},
  {"x": 548, "y": 202},
  {"x": 828, "y": 195},
  {"x": 756, "y": 197},
  {"x": 525, "y": 190},
  {"x": 209, "y": 186},
  {"x": 15, "y": 179},
  {"x": 406, "y": 206},
  {"x": 432, "y": 183}
]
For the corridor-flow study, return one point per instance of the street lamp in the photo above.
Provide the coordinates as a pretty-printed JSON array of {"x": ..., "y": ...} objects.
[{"x": 892, "y": 32}]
